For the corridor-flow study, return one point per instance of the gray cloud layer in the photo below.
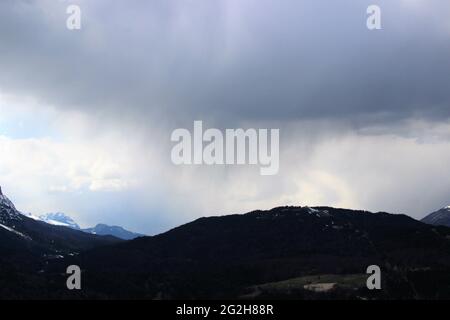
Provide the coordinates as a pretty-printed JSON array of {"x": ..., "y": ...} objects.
[{"x": 232, "y": 60}]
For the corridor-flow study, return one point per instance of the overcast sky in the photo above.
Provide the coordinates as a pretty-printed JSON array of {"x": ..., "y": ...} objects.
[{"x": 86, "y": 115}]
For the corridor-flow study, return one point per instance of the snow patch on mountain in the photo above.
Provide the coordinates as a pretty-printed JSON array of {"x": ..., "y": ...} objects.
[
  {"x": 318, "y": 213},
  {"x": 15, "y": 231}
]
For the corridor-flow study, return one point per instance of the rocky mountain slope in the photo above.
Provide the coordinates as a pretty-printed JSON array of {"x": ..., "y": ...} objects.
[{"x": 439, "y": 218}]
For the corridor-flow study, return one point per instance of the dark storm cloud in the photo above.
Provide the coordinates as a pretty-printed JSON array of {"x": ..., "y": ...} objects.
[{"x": 231, "y": 60}]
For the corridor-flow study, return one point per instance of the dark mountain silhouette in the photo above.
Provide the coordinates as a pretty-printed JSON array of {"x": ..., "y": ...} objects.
[
  {"x": 286, "y": 252},
  {"x": 439, "y": 218}
]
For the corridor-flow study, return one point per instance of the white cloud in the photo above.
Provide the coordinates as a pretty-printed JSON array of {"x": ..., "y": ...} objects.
[
  {"x": 60, "y": 166},
  {"x": 369, "y": 169}
]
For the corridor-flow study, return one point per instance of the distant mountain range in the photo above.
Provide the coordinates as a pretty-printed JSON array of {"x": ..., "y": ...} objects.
[
  {"x": 61, "y": 219},
  {"x": 285, "y": 252},
  {"x": 116, "y": 231}
]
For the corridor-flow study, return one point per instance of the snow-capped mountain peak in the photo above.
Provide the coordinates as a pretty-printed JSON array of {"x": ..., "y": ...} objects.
[
  {"x": 440, "y": 217},
  {"x": 59, "y": 219},
  {"x": 4, "y": 201},
  {"x": 8, "y": 211}
]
